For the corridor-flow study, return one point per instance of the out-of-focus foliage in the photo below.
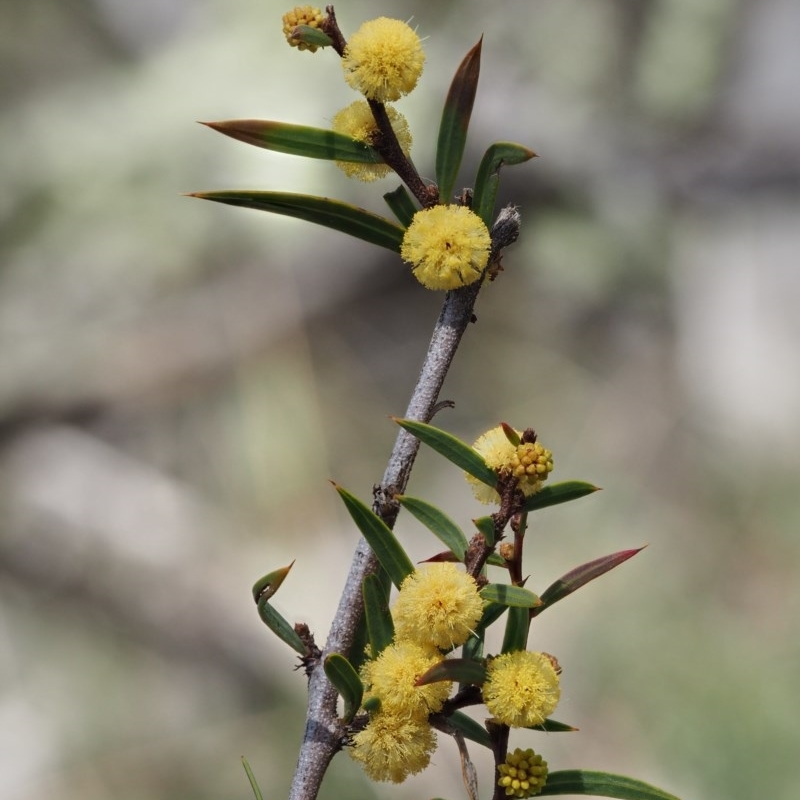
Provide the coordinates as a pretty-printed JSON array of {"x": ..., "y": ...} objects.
[{"x": 178, "y": 381}]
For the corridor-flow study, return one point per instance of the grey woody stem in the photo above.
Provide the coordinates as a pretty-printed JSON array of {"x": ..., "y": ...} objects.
[{"x": 324, "y": 730}]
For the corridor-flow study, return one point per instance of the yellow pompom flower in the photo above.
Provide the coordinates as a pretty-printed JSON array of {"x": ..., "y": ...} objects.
[
  {"x": 438, "y": 605},
  {"x": 383, "y": 59},
  {"x": 529, "y": 462},
  {"x": 301, "y": 15},
  {"x": 447, "y": 246},
  {"x": 523, "y": 774},
  {"x": 521, "y": 688},
  {"x": 392, "y": 675},
  {"x": 358, "y": 122},
  {"x": 393, "y": 747}
]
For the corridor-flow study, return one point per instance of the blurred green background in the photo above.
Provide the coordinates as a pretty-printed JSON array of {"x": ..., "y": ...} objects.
[{"x": 178, "y": 380}]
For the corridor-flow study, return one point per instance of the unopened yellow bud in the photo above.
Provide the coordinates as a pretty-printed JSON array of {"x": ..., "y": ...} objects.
[
  {"x": 301, "y": 15},
  {"x": 523, "y": 774},
  {"x": 528, "y": 462}
]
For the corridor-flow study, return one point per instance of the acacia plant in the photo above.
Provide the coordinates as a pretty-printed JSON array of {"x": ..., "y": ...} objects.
[{"x": 391, "y": 678}]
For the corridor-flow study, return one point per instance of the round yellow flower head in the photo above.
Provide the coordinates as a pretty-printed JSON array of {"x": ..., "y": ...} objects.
[
  {"x": 358, "y": 122},
  {"x": 438, "y": 605},
  {"x": 393, "y": 747},
  {"x": 383, "y": 59},
  {"x": 392, "y": 675},
  {"x": 521, "y": 688},
  {"x": 529, "y": 462},
  {"x": 447, "y": 246},
  {"x": 301, "y": 15},
  {"x": 523, "y": 774}
]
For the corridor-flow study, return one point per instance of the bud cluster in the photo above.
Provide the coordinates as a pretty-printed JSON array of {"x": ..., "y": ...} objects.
[
  {"x": 301, "y": 15},
  {"x": 523, "y": 774},
  {"x": 437, "y": 607}
]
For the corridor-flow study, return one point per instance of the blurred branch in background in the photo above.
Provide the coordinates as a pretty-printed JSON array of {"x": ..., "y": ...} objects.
[{"x": 169, "y": 373}]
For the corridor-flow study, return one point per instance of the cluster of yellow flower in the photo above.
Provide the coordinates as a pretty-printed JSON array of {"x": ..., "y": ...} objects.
[
  {"x": 383, "y": 61},
  {"x": 448, "y": 246},
  {"x": 437, "y": 608}
]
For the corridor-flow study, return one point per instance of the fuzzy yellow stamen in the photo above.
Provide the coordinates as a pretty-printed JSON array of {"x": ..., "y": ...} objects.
[
  {"x": 392, "y": 679},
  {"x": 438, "y": 606},
  {"x": 521, "y": 689},
  {"x": 392, "y": 747},
  {"x": 447, "y": 247},
  {"x": 358, "y": 122},
  {"x": 383, "y": 59}
]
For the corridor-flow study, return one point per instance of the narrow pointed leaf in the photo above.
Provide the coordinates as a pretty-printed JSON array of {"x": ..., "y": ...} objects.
[
  {"x": 380, "y": 538},
  {"x": 334, "y": 214},
  {"x": 380, "y": 626},
  {"x": 491, "y": 613},
  {"x": 580, "y": 576},
  {"x": 473, "y": 647},
  {"x": 458, "y": 670},
  {"x": 516, "y": 633},
  {"x": 265, "y": 587},
  {"x": 487, "y": 180},
  {"x": 252, "y": 779},
  {"x": 455, "y": 121},
  {"x": 486, "y": 525},
  {"x": 438, "y": 523},
  {"x": 470, "y": 729},
  {"x": 551, "y": 726},
  {"x": 511, "y": 434},
  {"x": 401, "y": 204},
  {"x": 601, "y": 784},
  {"x": 297, "y": 140},
  {"x": 446, "y": 556},
  {"x": 512, "y": 596},
  {"x": 453, "y": 449},
  {"x": 280, "y": 627},
  {"x": 556, "y": 493},
  {"x": 360, "y": 649},
  {"x": 345, "y": 680}
]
